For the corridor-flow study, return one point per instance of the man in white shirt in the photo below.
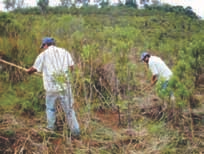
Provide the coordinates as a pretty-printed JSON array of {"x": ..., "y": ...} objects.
[
  {"x": 158, "y": 68},
  {"x": 55, "y": 64}
]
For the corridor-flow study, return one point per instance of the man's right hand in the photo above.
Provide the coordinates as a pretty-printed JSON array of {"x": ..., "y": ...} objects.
[{"x": 31, "y": 70}]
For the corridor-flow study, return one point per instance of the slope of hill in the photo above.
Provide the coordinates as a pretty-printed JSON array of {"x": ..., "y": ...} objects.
[{"x": 116, "y": 111}]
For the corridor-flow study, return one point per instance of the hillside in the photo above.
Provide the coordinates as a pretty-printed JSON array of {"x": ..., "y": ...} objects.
[{"x": 116, "y": 109}]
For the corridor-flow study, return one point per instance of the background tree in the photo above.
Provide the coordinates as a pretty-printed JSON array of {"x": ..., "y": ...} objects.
[
  {"x": 13, "y": 4},
  {"x": 19, "y": 3},
  {"x": 65, "y": 2},
  {"x": 9, "y": 4},
  {"x": 43, "y": 4}
]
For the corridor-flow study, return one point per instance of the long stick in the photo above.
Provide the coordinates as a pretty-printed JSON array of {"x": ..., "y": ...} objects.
[
  {"x": 19, "y": 67},
  {"x": 146, "y": 88},
  {"x": 143, "y": 90}
]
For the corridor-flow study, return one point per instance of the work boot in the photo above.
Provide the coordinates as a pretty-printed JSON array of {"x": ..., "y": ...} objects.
[{"x": 76, "y": 135}]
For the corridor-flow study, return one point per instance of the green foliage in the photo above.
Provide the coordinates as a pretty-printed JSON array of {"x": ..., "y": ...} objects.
[
  {"x": 157, "y": 128},
  {"x": 32, "y": 10},
  {"x": 89, "y": 52},
  {"x": 163, "y": 91},
  {"x": 129, "y": 9},
  {"x": 104, "y": 4},
  {"x": 131, "y": 3},
  {"x": 176, "y": 9},
  {"x": 8, "y": 133},
  {"x": 8, "y": 25},
  {"x": 24, "y": 98},
  {"x": 123, "y": 105},
  {"x": 109, "y": 35},
  {"x": 187, "y": 71},
  {"x": 196, "y": 55}
]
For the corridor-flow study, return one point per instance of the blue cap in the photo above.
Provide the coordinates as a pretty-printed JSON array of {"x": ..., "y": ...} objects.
[
  {"x": 47, "y": 40},
  {"x": 143, "y": 55}
]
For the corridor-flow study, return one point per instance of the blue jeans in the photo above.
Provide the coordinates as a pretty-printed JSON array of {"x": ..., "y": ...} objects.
[
  {"x": 66, "y": 102},
  {"x": 164, "y": 86}
]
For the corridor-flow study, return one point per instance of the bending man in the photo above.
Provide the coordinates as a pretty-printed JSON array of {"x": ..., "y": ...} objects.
[{"x": 158, "y": 68}]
